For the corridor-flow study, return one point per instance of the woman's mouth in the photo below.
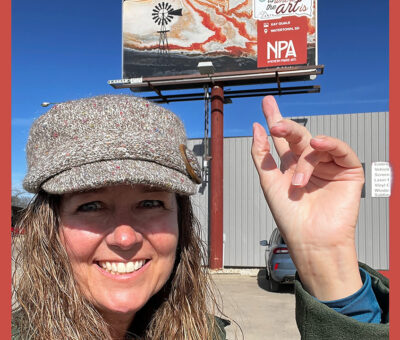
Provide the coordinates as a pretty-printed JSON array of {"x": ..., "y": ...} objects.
[{"x": 119, "y": 268}]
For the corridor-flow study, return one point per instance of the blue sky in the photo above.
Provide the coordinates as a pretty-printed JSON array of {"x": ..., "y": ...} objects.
[{"x": 66, "y": 50}]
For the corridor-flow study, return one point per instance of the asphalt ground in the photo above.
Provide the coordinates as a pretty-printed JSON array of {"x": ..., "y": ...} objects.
[{"x": 260, "y": 314}]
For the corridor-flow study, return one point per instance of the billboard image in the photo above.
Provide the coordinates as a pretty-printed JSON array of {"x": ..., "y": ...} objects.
[{"x": 170, "y": 37}]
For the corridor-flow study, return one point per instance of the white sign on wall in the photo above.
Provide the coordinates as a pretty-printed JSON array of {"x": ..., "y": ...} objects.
[{"x": 381, "y": 175}]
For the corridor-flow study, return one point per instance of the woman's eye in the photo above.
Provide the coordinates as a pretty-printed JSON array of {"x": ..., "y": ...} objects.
[
  {"x": 90, "y": 206},
  {"x": 148, "y": 204}
]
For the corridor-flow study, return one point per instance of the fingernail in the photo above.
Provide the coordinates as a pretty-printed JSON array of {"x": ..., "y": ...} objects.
[
  {"x": 319, "y": 139},
  {"x": 297, "y": 179}
]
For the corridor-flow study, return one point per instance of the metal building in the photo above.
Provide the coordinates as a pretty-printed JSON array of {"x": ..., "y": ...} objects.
[{"x": 247, "y": 218}]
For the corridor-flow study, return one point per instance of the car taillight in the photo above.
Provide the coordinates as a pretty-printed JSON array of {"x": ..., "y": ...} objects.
[{"x": 281, "y": 250}]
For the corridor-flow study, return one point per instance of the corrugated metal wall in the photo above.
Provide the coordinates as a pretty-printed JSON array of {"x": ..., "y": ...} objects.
[{"x": 247, "y": 219}]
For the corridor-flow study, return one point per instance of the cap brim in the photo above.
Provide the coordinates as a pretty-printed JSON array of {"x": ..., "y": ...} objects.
[{"x": 127, "y": 171}]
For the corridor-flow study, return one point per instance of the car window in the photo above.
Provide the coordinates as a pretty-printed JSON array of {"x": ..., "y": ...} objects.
[
  {"x": 273, "y": 236},
  {"x": 276, "y": 238}
]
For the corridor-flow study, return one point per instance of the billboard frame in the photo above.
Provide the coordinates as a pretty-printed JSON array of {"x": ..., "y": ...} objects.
[
  {"x": 238, "y": 78},
  {"x": 229, "y": 95}
]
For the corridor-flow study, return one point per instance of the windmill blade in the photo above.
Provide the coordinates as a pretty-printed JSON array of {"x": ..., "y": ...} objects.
[
  {"x": 163, "y": 5},
  {"x": 158, "y": 6},
  {"x": 169, "y": 7},
  {"x": 176, "y": 12}
]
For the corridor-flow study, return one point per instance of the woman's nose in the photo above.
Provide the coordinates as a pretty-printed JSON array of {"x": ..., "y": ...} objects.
[{"x": 124, "y": 236}]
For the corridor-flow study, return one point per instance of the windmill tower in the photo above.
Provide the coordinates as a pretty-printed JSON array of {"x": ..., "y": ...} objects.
[{"x": 162, "y": 15}]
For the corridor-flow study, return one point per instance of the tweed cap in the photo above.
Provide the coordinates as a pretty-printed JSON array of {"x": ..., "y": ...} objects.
[{"x": 105, "y": 140}]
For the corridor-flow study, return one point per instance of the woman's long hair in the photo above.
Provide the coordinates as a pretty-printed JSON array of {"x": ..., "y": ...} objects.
[{"x": 51, "y": 306}]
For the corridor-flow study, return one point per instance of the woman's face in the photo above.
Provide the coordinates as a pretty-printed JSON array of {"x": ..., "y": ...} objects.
[{"x": 121, "y": 241}]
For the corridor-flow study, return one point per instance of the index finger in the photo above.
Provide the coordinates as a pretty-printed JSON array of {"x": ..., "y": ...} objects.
[{"x": 273, "y": 115}]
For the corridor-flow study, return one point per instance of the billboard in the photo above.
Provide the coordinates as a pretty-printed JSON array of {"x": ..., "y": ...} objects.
[{"x": 170, "y": 37}]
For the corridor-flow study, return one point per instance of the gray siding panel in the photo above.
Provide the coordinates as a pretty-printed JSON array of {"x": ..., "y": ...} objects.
[
  {"x": 360, "y": 241},
  {"x": 200, "y": 200},
  {"x": 375, "y": 226},
  {"x": 365, "y": 122},
  {"x": 247, "y": 218},
  {"x": 244, "y": 211}
]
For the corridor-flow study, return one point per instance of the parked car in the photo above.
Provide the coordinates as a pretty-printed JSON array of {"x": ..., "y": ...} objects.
[{"x": 280, "y": 268}]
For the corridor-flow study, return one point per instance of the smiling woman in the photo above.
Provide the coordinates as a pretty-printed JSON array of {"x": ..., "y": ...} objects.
[
  {"x": 112, "y": 249},
  {"x": 122, "y": 252},
  {"x": 112, "y": 258}
]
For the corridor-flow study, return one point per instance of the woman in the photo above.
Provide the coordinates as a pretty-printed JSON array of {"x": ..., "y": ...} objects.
[{"x": 112, "y": 249}]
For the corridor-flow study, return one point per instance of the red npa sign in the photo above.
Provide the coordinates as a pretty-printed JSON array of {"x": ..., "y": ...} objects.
[{"x": 282, "y": 42}]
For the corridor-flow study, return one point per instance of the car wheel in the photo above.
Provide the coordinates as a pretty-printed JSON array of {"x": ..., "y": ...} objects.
[
  {"x": 267, "y": 274},
  {"x": 273, "y": 285}
]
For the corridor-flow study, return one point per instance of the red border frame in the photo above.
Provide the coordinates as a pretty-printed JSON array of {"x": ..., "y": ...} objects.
[
  {"x": 5, "y": 197},
  {"x": 394, "y": 108},
  {"x": 394, "y": 156}
]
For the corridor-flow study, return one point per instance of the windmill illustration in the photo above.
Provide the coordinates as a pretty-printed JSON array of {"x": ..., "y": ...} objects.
[{"x": 163, "y": 14}]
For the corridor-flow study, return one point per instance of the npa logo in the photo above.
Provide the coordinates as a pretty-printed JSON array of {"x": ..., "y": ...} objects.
[
  {"x": 281, "y": 49},
  {"x": 282, "y": 42}
]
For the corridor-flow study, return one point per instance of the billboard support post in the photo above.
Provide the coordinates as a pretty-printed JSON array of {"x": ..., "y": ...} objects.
[{"x": 216, "y": 178}]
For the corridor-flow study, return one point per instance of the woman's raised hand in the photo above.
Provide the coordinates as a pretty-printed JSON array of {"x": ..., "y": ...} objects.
[{"x": 314, "y": 198}]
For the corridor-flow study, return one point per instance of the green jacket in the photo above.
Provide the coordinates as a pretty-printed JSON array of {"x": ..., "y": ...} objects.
[{"x": 319, "y": 322}]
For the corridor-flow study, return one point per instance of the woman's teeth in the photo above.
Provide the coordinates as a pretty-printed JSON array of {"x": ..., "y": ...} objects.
[{"x": 122, "y": 267}]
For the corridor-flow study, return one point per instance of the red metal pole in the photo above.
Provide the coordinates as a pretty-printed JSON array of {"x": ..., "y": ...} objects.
[{"x": 216, "y": 178}]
